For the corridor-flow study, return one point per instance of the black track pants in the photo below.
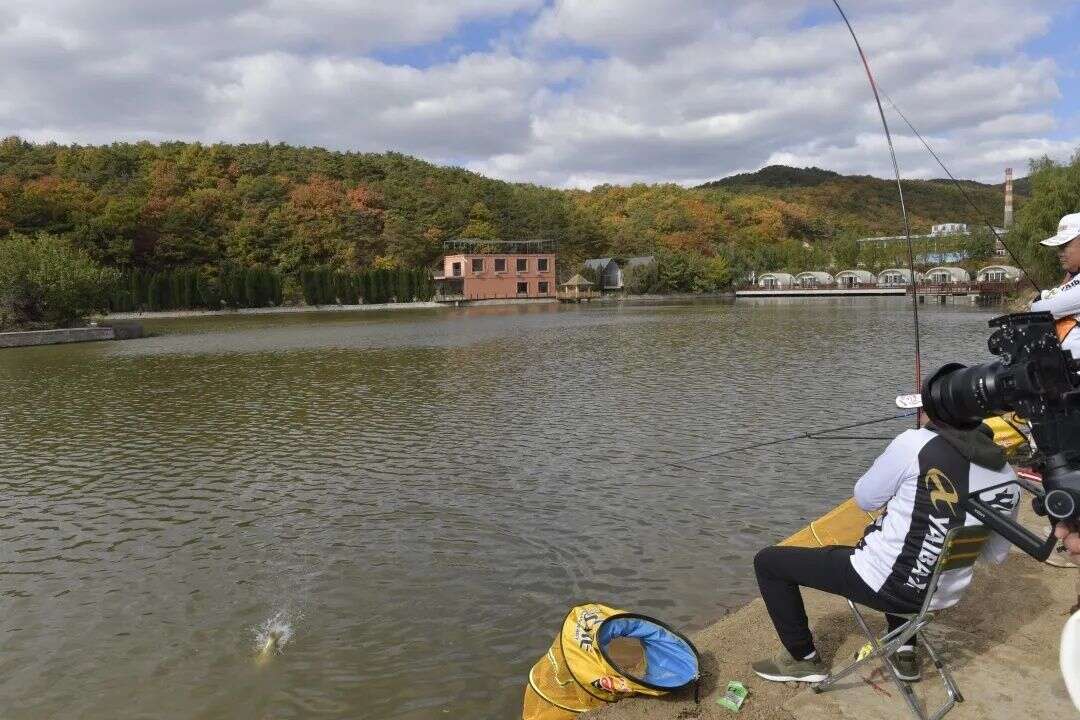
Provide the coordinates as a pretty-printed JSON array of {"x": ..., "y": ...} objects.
[{"x": 780, "y": 572}]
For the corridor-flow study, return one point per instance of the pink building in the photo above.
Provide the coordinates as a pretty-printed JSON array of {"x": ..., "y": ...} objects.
[{"x": 525, "y": 269}]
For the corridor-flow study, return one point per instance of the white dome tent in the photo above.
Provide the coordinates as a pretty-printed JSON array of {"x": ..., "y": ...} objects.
[
  {"x": 999, "y": 273},
  {"x": 813, "y": 279},
  {"x": 946, "y": 275},
  {"x": 898, "y": 277},
  {"x": 775, "y": 280},
  {"x": 855, "y": 278}
]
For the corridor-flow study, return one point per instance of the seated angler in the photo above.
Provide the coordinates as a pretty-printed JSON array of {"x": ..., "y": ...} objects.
[{"x": 918, "y": 480}]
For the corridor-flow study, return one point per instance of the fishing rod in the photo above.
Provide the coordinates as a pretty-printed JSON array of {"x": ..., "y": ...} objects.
[
  {"x": 903, "y": 205},
  {"x": 798, "y": 436},
  {"x": 964, "y": 193}
]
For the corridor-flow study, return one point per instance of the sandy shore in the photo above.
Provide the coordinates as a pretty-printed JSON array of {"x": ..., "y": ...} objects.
[{"x": 1001, "y": 642}]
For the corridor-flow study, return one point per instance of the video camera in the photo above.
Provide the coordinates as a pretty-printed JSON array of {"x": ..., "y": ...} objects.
[{"x": 1039, "y": 381}]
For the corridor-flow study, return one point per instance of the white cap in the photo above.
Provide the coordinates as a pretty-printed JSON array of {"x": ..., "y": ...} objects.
[
  {"x": 909, "y": 402},
  {"x": 1068, "y": 229}
]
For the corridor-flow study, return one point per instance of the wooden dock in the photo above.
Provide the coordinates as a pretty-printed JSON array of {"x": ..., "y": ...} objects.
[
  {"x": 749, "y": 292},
  {"x": 975, "y": 292},
  {"x": 577, "y": 297}
]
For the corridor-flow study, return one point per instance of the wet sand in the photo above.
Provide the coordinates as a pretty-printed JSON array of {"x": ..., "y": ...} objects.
[{"x": 1001, "y": 642}]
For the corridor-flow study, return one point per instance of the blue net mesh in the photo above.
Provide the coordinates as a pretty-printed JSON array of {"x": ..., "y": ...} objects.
[{"x": 670, "y": 662}]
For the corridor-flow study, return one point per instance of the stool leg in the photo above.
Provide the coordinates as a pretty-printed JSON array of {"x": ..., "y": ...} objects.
[
  {"x": 943, "y": 670},
  {"x": 886, "y": 664}
]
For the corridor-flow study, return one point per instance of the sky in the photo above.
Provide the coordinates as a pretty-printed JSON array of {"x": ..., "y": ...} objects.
[{"x": 565, "y": 93}]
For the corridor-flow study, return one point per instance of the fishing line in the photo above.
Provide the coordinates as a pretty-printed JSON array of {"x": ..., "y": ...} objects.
[
  {"x": 963, "y": 192},
  {"x": 855, "y": 437},
  {"x": 790, "y": 438},
  {"x": 903, "y": 205}
]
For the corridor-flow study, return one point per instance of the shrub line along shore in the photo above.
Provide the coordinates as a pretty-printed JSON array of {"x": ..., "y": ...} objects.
[{"x": 283, "y": 310}]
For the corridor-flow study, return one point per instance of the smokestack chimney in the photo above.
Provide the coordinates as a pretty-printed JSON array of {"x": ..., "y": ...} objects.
[{"x": 1008, "y": 199}]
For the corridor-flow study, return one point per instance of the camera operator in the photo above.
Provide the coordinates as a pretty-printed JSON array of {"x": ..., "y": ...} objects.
[
  {"x": 1063, "y": 302},
  {"x": 919, "y": 480}
]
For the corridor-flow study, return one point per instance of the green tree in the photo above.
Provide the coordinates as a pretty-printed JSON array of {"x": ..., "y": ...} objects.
[
  {"x": 481, "y": 224},
  {"x": 846, "y": 253},
  {"x": 1055, "y": 191},
  {"x": 43, "y": 279}
]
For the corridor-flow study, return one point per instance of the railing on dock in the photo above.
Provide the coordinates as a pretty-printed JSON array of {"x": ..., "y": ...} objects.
[
  {"x": 988, "y": 288},
  {"x": 585, "y": 295}
]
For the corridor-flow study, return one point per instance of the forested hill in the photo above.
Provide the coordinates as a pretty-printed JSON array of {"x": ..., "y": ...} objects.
[
  {"x": 287, "y": 208},
  {"x": 875, "y": 200}
]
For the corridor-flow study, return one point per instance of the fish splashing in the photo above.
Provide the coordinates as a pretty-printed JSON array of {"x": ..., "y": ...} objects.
[{"x": 274, "y": 633}]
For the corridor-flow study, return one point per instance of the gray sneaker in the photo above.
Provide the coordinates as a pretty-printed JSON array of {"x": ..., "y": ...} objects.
[
  {"x": 906, "y": 663},
  {"x": 784, "y": 668}
]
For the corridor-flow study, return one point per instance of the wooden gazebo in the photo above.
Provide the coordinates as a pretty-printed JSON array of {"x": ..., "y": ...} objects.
[{"x": 577, "y": 289}]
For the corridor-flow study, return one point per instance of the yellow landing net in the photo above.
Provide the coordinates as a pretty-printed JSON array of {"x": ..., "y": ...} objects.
[{"x": 587, "y": 666}]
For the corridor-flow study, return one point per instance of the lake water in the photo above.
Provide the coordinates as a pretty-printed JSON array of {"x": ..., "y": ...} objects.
[{"x": 412, "y": 500}]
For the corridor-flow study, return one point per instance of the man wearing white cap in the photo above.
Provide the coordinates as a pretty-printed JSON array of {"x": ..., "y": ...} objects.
[{"x": 1064, "y": 301}]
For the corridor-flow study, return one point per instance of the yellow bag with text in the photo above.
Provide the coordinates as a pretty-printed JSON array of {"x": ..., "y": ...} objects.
[{"x": 602, "y": 655}]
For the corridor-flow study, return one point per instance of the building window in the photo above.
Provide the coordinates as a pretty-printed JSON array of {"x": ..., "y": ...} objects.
[
  {"x": 478, "y": 265},
  {"x": 522, "y": 264},
  {"x": 456, "y": 269},
  {"x": 523, "y": 288},
  {"x": 542, "y": 264},
  {"x": 543, "y": 288},
  {"x": 500, "y": 264}
]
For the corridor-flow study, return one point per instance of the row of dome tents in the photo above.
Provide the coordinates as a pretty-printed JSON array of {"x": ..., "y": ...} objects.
[{"x": 892, "y": 277}]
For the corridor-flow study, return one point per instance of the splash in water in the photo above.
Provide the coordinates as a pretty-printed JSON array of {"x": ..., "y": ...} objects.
[{"x": 274, "y": 633}]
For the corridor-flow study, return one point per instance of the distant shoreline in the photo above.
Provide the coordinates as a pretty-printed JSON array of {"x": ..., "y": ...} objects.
[
  {"x": 298, "y": 309},
  {"x": 283, "y": 310}
]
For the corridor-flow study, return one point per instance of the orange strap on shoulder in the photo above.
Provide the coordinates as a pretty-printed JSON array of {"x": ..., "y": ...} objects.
[{"x": 1064, "y": 326}]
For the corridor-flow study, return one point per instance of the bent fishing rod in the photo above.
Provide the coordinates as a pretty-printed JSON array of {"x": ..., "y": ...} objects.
[{"x": 903, "y": 205}]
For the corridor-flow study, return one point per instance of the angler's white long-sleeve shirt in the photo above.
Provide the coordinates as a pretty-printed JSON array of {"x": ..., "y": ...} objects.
[
  {"x": 1063, "y": 301},
  {"x": 919, "y": 480}
]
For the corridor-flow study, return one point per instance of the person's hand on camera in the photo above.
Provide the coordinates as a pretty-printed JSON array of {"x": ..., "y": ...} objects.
[{"x": 1070, "y": 537}]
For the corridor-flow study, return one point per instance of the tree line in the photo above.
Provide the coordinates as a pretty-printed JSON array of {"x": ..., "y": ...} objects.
[
  {"x": 258, "y": 287},
  {"x": 188, "y": 210}
]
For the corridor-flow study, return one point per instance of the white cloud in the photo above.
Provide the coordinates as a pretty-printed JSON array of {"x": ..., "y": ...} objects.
[{"x": 583, "y": 91}]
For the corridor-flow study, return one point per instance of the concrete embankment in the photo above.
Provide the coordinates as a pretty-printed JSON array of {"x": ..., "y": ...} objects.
[
  {"x": 1001, "y": 642},
  {"x": 55, "y": 337}
]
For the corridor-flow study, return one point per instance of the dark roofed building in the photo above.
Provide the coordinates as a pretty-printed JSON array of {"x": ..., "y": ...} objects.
[{"x": 609, "y": 271}]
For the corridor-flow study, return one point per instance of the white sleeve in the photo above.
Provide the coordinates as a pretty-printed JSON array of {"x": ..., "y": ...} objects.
[
  {"x": 1063, "y": 301},
  {"x": 996, "y": 548},
  {"x": 877, "y": 486}
]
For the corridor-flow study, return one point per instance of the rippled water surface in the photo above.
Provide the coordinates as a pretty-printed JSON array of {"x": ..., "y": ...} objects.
[{"x": 409, "y": 502}]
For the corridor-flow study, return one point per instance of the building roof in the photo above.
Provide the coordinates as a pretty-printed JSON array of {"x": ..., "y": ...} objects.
[
  {"x": 777, "y": 275},
  {"x": 865, "y": 274},
  {"x": 598, "y": 263},
  {"x": 958, "y": 273},
  {"x": 817, "y": 274},
  {"x": 1009, "y": 270},
  {"x": 576, "y": 280},
  {"x": 904, "y": 272},
  {"x": 477, "y": 246}
]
